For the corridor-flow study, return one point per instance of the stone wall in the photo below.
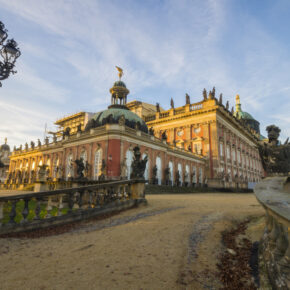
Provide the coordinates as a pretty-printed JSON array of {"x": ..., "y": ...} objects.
[{"x": 274, "y": 195}]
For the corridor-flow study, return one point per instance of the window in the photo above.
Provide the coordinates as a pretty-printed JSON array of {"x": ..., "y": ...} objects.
[
  {"x": 159, "y": 169},
  {"x": 98, "y": 164},
  {"x": 221, "y": 149},
  {"x": 194, "y": 177},
  {"x": 228, "y": 152},
  {"x": 129, "y": 159},
  {"x": 146, "y": 172},
  {"x": 179, "y": 168},
  {"x": 170, "y": 165},
  {"x": 200, "y": 176}
]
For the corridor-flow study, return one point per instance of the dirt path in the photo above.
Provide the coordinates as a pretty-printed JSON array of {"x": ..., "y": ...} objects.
[{"x": 173, "y": 243}]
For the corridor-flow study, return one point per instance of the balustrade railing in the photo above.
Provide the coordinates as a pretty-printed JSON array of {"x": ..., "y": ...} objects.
[{"x": 33, "y": 208}]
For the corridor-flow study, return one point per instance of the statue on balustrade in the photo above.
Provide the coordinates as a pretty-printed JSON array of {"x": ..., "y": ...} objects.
[
  {"x": 38, "y": 143},
  {"x": 154, "y": 175},
  {"x": 172, "y": 103},
  {"x": 66, "y": 132},
  {"x": 157, "y": 108},
  {"x": 79, "y": 128},
  {"x": 151, "y": 131},
  {"x": 138, "y": 165},
  {"x": 187, "y": 99},
  {"x": 164, "y": 136},
  {"x": 167, "y": 174},
  {"x": 177, "y": 178},
  {"x": 204, "y": 93},
  {"x": 80, "y": 168},
  {"x": 275, "y": 156},
  {"x": 32, "y": 145}
]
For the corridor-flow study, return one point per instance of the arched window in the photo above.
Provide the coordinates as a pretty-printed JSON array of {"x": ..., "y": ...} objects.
[
  {"x": 170, "y": 165},
  {"x": 98, "y": 163},
  {"x": 146, "y": 172},
  {"x": 129, "y": 159},
  {"x": 159, "y": 169},
  {"x": 179, "y": 168},
  {"x": 69, "y": 166}
]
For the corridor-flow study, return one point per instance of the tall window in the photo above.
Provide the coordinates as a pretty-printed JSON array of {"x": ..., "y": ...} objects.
[
  {"x": 239, "y": 156},
  {"x": 170, "y": 165},
  {"x": 69, "y": 166},
  {"x": 146, "y": 172},
  {"x": 200, "y": 175},
  {"x": 228, "y": 152},
  {"x": 129, "y": 159},
  {"x": 187, "y": 176},
  {"x": 159, "y": 169},
  {"x": 98, "y": 164},
  {"x": 233, "y": 154},
  {"x": 221, "y": 149},
  {"x": 179, "y": 167}
]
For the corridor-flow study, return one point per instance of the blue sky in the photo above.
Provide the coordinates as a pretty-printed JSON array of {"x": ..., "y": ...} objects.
[{"x": 166, "y": 48}]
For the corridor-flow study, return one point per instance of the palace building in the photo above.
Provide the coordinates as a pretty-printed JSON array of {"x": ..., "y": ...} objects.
[
  {"x": 228, "y": 139},
  {"x": 104, "y": 143}
]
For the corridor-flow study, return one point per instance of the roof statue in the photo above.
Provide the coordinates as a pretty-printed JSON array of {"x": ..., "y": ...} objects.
[
  {"x": 172, "y": 103},
  {"x": 120, "y": 72},
  {"x": 187, "y": 99}
]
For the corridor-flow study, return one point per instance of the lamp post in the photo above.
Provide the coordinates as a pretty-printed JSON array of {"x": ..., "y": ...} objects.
[{"x": 9, "y": 52}]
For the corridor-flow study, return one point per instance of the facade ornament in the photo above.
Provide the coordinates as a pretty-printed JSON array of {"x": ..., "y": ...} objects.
[
  {"x": 103, "y": 170},
  {"x": 122, "y": 120},
  {"x": 46, "y": 140},
  {"x": 32, "y": 145},
  {"x": 189, "y": 148},
  {"x": 54, "y": 138},
  {"x": 187, "y": 99},
  {"x": 38, "y": 143},
  {"x": 26, "y": 146},
  {"x": 172, "y": 103},
  {"x": 66, "y": 132},
  {"x": 232, "y": 110},
  {"x": 164, "y": 136},
  {"x": 210, "y": 95},
  {"x": 213, "y": 92},
  {"x": 204, "y": 93},
  {"x": 79, "y": 128},
  {"x": 138, "y": 165}
]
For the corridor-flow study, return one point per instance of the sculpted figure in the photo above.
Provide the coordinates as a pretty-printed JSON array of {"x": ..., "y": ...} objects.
[
  {"x": 157, "y": 107},
  {"x": 80, "y": 167},
  {"x": 138, "y": 165},
  {"x": 275, "y": 157},
  {"x": 32, "y": 145},
  {"x": 154, "y": 174},
  {"x": 38, "y": 143},
  {"x": 187, "y": 99},
  {"x": 167, "y": 176},
  {"x": 177, "y": 178},
  {"x": 204, "y": 93},
  {"x": 172, "y": 103},
  {"x": 124, "y": 169}
]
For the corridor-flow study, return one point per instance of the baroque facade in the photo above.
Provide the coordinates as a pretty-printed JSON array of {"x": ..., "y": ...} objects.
[
  {"x": 228, "y": 139},
  {"x": 104, "y": 145}
]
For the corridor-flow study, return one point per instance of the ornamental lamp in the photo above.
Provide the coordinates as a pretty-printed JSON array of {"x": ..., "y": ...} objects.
[
  {"x": 3, "y": 33},
  {"x": 10, "y": 52}
]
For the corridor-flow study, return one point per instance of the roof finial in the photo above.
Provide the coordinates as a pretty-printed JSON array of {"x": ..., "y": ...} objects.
[
  {"x": 120, "y": 72},
  {"x": 238, "y": 104}
]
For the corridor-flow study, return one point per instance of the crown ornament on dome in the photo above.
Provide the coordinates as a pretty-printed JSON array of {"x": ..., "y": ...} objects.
[{"x": 119, "y": 92}]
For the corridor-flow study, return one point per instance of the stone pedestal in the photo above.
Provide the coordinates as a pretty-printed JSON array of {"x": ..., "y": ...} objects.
[
  {"x": 138, "y": 189},
  {"x": 40, "y": 186}
]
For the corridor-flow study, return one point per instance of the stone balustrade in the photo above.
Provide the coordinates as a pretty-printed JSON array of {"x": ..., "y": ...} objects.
[
  {"x": 47, "y": 208},
  {"x": 274, "y": 195}
]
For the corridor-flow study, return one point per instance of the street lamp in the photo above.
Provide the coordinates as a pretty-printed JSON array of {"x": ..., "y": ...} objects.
[{"x": 9, "y": 52}]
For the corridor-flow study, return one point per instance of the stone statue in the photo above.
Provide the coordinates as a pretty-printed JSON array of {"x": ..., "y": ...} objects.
[
  {"x": 210, "y": 95},
  {"x": 42, "y": 172},
  {"x": 232, "y": 110},
  {"x": 213, "y": 92},
  {"x": 189, "y": 148},
  {"x": 167, "y": 176},
  {"x": 79, "y": 128},
  {"x": 164, "y": 136},
  {"x": 54, "y": 138},
  {"x": 227, "y": 105},
  {"x": 151, "y": 131},
  {"x": 20, "y": 147},
  {"x": 26, "y": 146},
  {"x": 186, "y": 178},
  {"x": 66, "y": 132},
  {"x": 275, "y": 157},
  {"x": 46, "y": 140},
  {"x": 87, "y": 169},
  {"x": 138, "y": 165},
  {"x": 154, "y": 174},
  {"x": 187, "y": 99},
  {"x": 32, "y": 145},
  {"x": 38, "y": 143},
  {"x": 124, "y": 169},
  {"x": 177, "y": 178},
  {"x": 157, "y": 107},
  {"x": 80, "y": 167},
  {"x": 204, "y": 93},
  {"x": 221, "y": 99},
  {"x": 103, "y": 170},
  {"x": 172, "y": 103}
]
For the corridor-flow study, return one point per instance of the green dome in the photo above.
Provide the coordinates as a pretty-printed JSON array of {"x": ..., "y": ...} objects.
[
  {"x": 119, "y": 84},
  {"x": 243, "y": 115},
  {"x": 113, "y": 115}
]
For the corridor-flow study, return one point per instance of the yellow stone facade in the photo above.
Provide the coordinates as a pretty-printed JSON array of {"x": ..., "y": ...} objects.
[{"x": 208, "y": 128}]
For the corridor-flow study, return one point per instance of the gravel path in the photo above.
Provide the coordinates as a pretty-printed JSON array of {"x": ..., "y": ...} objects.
[{"x": 173, "y": 243}]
